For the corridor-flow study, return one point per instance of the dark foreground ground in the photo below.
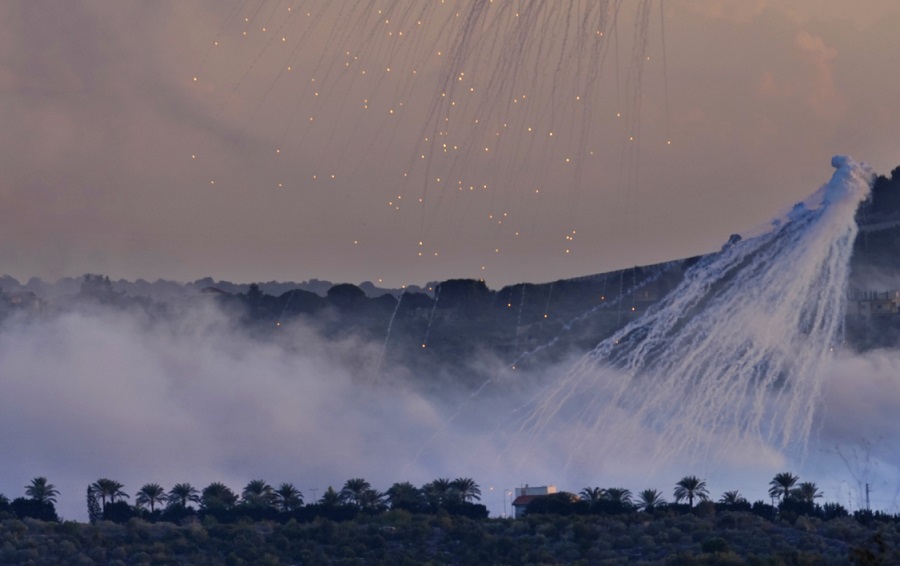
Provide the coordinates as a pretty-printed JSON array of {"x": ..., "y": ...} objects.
[{"x": 399, "y": 537}]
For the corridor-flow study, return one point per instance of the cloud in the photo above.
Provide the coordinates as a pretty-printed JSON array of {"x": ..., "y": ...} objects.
[
  {"x": 92, "y": 394},
  {"x": 101, "y": 120},
  {"x": 735, "y": 11},
  {"x": 860, "y": 398},
  {"x": 806, "y": 79},
  {"x": 190, "y": 397},
  {"x": 822, "y": 94}
]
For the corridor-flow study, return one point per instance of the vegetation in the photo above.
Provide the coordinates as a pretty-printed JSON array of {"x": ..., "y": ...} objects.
[
  {"x": 782, "y": 484},
  {"x": 41, "y": 491},
  {"x": 650, "y": 499},
  {"x": 690, "y": 487},
  {"x": 438, "y": 523},
  {"x": 151, "y": 494}
]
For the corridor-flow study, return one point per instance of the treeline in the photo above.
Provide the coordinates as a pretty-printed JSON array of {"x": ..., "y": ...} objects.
[
  {"x": 790, "y": 499},
  {"x": 258, "y": 501},
  {"x": 412, "y": 525}
]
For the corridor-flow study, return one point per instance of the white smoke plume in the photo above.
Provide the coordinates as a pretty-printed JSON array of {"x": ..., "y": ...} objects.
[{"x": 193, "y": 397}]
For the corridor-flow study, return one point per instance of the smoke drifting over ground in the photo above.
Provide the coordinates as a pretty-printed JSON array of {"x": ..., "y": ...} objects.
[
  {"x": 730, "y": 376},
  {"x": 105, "y": 393},
  {"x": 96, "y": 394}
]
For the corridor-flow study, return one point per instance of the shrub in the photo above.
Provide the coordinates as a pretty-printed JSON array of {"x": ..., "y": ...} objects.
[
  {"x": 118, "y": 512},
  {"x": 715, "y": 545},
  {"x": 41, "y": 510}
]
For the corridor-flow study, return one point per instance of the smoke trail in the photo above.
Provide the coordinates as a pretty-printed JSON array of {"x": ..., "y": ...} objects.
[
  {"x": 456, "y": 108},
  {"x": 736, "y": 352}
]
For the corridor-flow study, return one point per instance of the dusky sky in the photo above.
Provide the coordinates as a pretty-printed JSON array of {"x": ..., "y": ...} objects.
[{"x": 257, "y": 140}]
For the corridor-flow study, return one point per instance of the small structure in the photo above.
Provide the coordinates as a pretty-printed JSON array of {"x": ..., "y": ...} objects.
[
  {"x": 25, "y": 301},
  {"x": 868, "y": 303},
  {"x": 527, "y": 494}
]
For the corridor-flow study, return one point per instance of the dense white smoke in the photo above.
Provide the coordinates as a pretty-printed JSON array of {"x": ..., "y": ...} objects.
[
  {"x": 192, "y": 397},
  {"x": 112, "y": 394},
  {"x": 734, "y": 356}
]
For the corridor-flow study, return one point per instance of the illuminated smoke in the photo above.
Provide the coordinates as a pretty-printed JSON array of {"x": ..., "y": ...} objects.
[{"x": 735, "y": 354}]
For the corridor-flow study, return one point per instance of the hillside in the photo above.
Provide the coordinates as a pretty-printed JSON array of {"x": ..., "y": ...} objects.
[
  {"x": 398, "y": 537},
  {"x": 462, "y": 322}
]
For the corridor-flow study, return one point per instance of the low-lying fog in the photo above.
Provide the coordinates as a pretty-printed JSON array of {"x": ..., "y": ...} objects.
[{"x": 193, "y": 398}]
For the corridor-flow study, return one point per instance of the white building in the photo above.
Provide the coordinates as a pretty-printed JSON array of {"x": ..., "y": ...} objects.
[{"x": 526, "y": 494}]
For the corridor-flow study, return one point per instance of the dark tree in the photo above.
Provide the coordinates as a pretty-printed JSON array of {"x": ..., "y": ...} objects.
[
  {"x": 95, "y": 513},
  {"x": 807, "y": 492},
  {"x": 112, "y": 489},
  {"x": 560, "y": 503},
  {"x": 288, "y": 497},
  {"x": 182, "y": 494},
  {"x": 98, "y": 288},
  {"x": 405, "y": 495},
  {"x": 732, "y": 498},
  {"x": 353, "y": 491},
  {"x": 346, "y": 296},
  {"x": 650, "y": 499},
  {"x": 466, "y": 489},
  {"x": 258, "y": 493},
  {"x": 330, "y": 498},
  {"x": 782, "y": 484},
  {"x": 438, "y": 493},
  {"x": 40, "y": 490},
  {"x": 218, "y": 496},
  {"x": 118, "y": 512},
  {"x": 833, "y": 511},
  {"x": 592, "y": 495},
  {"x": 150, "y": 494},
  {"x": 690, "y": 487},
  {"x": 41, "y": 510}
]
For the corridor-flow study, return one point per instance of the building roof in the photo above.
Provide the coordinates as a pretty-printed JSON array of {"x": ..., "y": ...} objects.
[{"x": 524, "y": 500}]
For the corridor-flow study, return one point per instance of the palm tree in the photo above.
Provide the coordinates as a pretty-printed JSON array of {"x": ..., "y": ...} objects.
[
  {"x": 218, "y": 495},
  {"x": 618, "y": 495},
  {"x": 150, "y": 494},
  {"x": 807, "y": 492},
  {"x": 732, "y": 498},
  {"x": 372, "y": 500},
  {"x": 330, "y": 498},
  {"x": 352, "y": 492},
  {"x": 105, "y": 487},
  {"x": 438, "y": 492},
  {"x": 40, "y": 490},
  {"x": 690, "y": 487},
  {"x": 258, "y": 493},
  {"x": 288, "y": 497},
  {"x": 467, "y": 489},
  {"x": 781, "y": 485},
  {"x": 182, "y": 494},
  {"x": 650, "y": 499},
  {"x": 404, "y": 495},
  {"x": 592, "y": 495}
]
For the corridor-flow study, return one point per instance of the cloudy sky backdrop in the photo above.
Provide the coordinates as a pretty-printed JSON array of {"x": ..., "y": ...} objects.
[{"x": 116, "y": 160}]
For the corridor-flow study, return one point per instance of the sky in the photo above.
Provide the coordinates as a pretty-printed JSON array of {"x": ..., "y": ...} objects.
[{"x": 157, "y": 140}]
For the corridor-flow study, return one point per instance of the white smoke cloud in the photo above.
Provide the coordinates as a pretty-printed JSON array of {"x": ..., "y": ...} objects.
[
  {"x": 93, "y": 394},
  {"x": 858, "y": 441},
  {"x": 192, "y": 398}
]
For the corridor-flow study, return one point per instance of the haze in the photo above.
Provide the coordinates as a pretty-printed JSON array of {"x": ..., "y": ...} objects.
[{"x": 116, "y": 161}]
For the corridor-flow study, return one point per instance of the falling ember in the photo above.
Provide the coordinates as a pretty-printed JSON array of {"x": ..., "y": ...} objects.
[{"x": 490, "y": 83}]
